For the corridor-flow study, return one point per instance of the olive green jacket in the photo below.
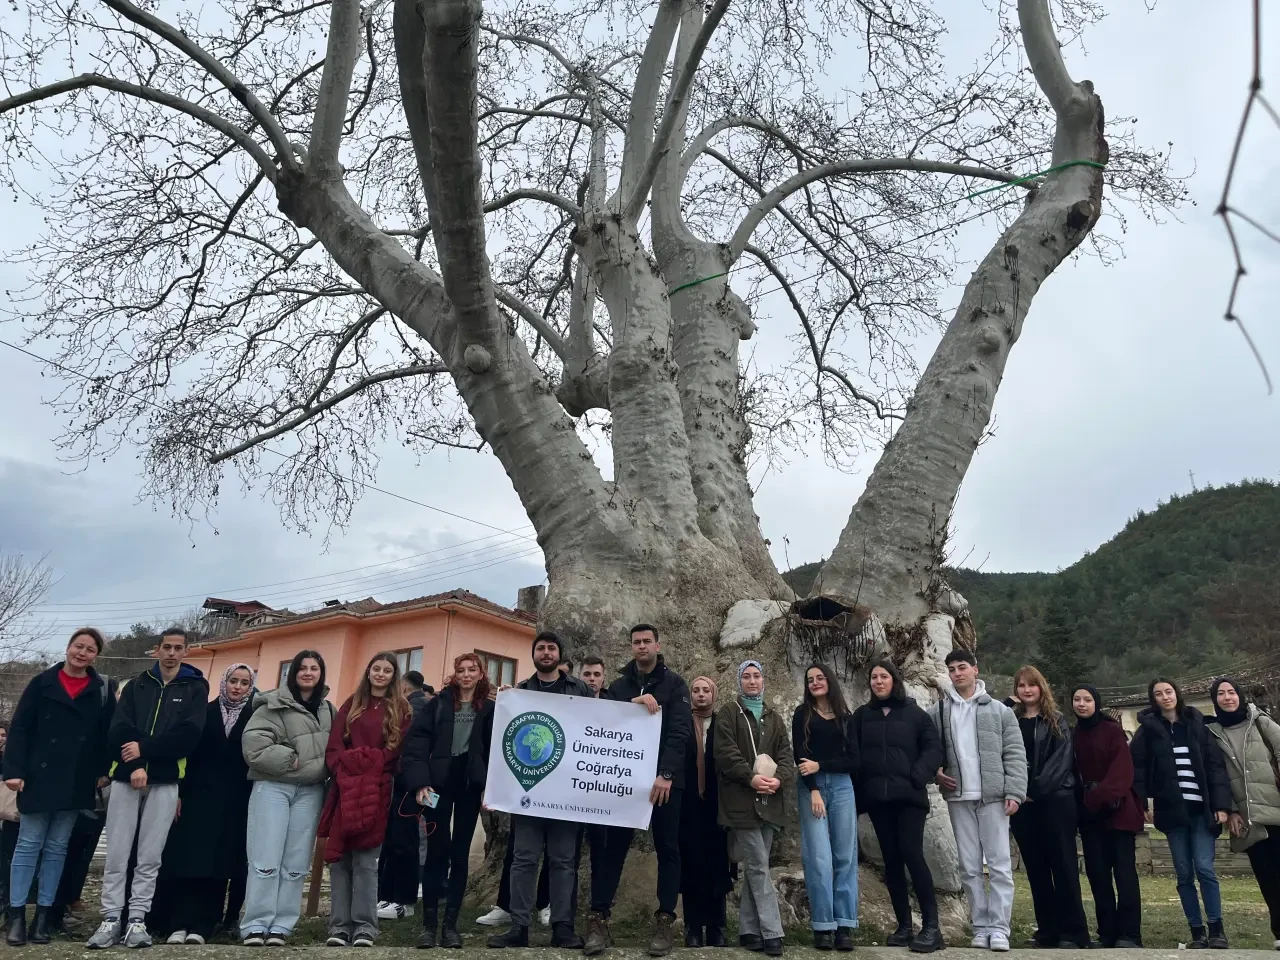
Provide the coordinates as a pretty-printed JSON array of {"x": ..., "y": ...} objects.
[
  {"x": 739, "y": 738},
  {"x": 1253, "y": 776},
  {"x": 284, "y": 742}
]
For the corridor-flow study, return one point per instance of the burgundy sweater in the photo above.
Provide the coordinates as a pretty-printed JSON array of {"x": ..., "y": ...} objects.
[{"x": 1103, "y": 758}]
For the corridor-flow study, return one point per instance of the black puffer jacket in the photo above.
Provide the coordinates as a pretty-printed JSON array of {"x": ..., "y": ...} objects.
[
  {"x": 1050, "y": 763},
  {"x": 1155, "y": 772},
  {"x": 164, "y": 719},
  {"x": 672, "y": 694},
  {"x": 898, "y": 753},
  {"x": 428, "y": 746}
]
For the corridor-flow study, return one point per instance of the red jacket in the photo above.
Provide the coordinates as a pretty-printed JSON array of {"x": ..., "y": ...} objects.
[
  {"x": 1103, "y": 759},
  {"x": 355, "y": 811}
]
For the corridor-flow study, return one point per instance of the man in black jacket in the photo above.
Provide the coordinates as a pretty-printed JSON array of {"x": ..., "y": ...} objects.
[
  {"x": 533, "y": 835},
  {"x": 158, "y": 720},
  {"x": 648, "y": 681}
]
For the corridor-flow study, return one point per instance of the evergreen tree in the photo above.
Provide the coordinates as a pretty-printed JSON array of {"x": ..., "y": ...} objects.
[{"x": 1062, "y": 657}]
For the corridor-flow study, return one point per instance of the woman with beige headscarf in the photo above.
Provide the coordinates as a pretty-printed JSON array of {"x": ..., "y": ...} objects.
[{"x": 705, "y": 871}]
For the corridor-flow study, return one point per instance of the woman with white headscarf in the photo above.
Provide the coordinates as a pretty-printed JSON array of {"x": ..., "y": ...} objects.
[
  {"x": 205, "y": 853},
  {"x": 756, "y": 772}
]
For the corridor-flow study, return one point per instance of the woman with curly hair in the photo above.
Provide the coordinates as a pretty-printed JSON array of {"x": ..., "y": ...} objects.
[
  {"x": 446, "y": 756},
  {"x": 363, "y": 751},
  {"x": 1045, "y": 824}
]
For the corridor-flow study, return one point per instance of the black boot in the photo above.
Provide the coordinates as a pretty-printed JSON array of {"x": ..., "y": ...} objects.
[
  {"x": 430, "y": 916},
  {"x": 449, "y": 936},
  {"x": 750, "y": 941},
  {"x": 1217, "y": 936},
  {"x": 515, "y": 937},
  {"x": 844, "y": 939},
  {"x": 17, "y": 927},
  {"x": 693, "y": 937},
  {"x": 824, "y": 939},
  {"x": 928, "y": 939},
  {"x": 715, "y": 937},
  {"x": 563, "y": 935},
  {"x": 1199, "y": 941},
  {"x": 903, "y": 936},
  {"x": 40, "y": 929}
]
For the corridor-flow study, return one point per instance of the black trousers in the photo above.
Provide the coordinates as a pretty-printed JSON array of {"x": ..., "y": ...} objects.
[
  {"x": 1046, "y": 833},
  {"x": 1264, "y": 857},
  {"x": 8, "y": 841},
  {"x": 449, "y": 843},
  {"x": 606, "y": 866},
  {"x": 1110, "y": 865},
  {"x": 900, "y": 833},
  {"x": 203, "y": 904},
  {"x": 399, "y": 872}
]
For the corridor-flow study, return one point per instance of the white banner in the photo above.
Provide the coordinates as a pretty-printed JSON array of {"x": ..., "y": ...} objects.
[{"x": 573, "y": 758}]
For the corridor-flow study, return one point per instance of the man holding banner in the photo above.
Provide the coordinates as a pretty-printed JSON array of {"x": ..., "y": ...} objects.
[
  {"x": 527, "y": 749},
  {"x": 649, "y": 682}
]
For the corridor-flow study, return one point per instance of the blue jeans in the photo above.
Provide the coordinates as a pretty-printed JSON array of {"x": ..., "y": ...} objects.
[
  {"x": 42, "y": 838},
  {"x": 1192, "y": 850},
  {"x": 829, "y": 849},
  {"x": 282, "y": 836}
]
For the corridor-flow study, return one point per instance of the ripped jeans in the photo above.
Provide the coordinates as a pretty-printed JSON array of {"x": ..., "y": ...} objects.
[{"x": 282, "y": 835}]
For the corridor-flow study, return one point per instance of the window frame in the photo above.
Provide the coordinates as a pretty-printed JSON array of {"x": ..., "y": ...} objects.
[
  {"x": 407, "y": 653},
  {"x": 284, "y": 673},
  {"x": 497, "y": 681}
]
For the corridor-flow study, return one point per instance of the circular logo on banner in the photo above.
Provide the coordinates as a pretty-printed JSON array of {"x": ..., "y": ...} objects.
[{"x": 533, "y": 746}]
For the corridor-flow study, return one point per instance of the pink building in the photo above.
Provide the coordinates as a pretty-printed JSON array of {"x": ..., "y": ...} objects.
[{"x": 426, "y": 634}]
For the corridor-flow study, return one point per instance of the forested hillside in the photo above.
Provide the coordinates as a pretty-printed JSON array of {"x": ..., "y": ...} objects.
[{"x": 1184, "y": 589}]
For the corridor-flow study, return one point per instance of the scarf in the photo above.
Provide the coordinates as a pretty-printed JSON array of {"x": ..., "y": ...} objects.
[
  {"x": 699, "y": 734},
  {"x": 231, "y": 709},
  {"x": 1089, "y": 722},
  {"x": 753, "y": 702},
  {"x": 1233, "y": 717}
]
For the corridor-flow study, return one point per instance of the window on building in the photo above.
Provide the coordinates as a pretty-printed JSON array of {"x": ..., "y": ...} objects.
[
  {"x": 409, "y": 660},
  {"x": 284, "y": 672},
  {"x": 500, "y": 669}
]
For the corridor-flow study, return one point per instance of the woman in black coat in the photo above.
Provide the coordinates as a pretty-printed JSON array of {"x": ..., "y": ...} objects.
[
  {"x": 899, "y": 752},
  {"x": 1045, "y": 824},
  {"x": 205, "y": 857},
  {"x": 446, "y": 757},
  {"x": 1178, "y": 765},
  {"x": 56, "y": 753},
  {"x": 705, "y": 872}
]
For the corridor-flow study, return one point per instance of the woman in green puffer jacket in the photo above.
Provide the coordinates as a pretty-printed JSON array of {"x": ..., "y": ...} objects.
[{"x": 1250, "y": 741}]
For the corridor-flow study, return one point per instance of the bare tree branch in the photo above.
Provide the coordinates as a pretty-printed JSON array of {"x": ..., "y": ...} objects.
[{"x": 335, "y": 86}]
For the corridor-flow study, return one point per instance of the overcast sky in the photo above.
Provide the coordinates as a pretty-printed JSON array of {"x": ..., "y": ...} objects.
[{"x": 1126, "y": 381}]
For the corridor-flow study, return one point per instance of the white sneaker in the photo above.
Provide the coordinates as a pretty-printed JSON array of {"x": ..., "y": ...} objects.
[
  {"x": 497, "y": 917},
  {"x": 544, "y": 916},
  {"x": 999, "y": 943},
  {"x": 981, "y": 942},
  {"x": 195, "y": 939},
  {"x": 106, "y": 936},
  {"x": 136, "y": 936},
  {"x": 394, "y": 911},
  {"x": 178, "y": 936}
]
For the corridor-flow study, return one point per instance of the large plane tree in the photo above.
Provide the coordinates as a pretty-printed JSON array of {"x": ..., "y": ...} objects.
[{"x": 544, "y": 231}]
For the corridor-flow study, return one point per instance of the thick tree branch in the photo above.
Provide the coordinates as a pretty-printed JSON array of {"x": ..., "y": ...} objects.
[
  {"x": 208, "y": 117},
  {"x": 330, "y": 118},
  {"x": 848, "y": 168},
  {"x": 213, "y": 66},
  {"x": 534, "y": 319},
  {"x": 644, "y": 96},
  {"x": 674, "y": 111},
  {"x": 533, "y": 193},
  {"x": 314, "y": 410},
  {"x": 1044, "y": 53},
  {"x": 713, "y": 130}
]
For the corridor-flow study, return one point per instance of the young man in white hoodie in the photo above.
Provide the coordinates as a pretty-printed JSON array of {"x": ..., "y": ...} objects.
[{"x": 984, "y": 779}]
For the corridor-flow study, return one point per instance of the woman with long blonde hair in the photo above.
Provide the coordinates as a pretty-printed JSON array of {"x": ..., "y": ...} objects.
[
  {"x": 1045, "y": 825},
  {"x": 363, "y": 751}
]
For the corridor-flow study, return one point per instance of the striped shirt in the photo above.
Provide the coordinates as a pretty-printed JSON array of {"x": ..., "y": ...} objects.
[{"x": 1190, "y": 787}]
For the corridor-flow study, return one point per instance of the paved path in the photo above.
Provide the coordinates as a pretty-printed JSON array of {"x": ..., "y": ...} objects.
[{"x": 64, "y": 950}]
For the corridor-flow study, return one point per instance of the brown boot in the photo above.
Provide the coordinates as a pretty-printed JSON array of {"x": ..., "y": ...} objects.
[
  {"x": 598, "y": 939},
  {"x": 663, "y": 935}
]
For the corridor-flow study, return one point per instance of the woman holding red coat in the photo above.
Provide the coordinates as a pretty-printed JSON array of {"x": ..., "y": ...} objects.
[
  {"x": 1110, "y": 817},
  {"x": 363, "y": 751}
]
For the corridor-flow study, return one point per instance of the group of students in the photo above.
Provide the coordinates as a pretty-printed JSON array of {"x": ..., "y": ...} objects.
[{"x": 213, "y": 807}]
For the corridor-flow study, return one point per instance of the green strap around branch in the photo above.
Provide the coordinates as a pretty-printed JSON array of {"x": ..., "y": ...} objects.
[{"x": 976, "y": 193}]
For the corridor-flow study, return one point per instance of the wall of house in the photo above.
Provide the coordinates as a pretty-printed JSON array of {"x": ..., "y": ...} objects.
[{"x": 440, "y": 634}]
